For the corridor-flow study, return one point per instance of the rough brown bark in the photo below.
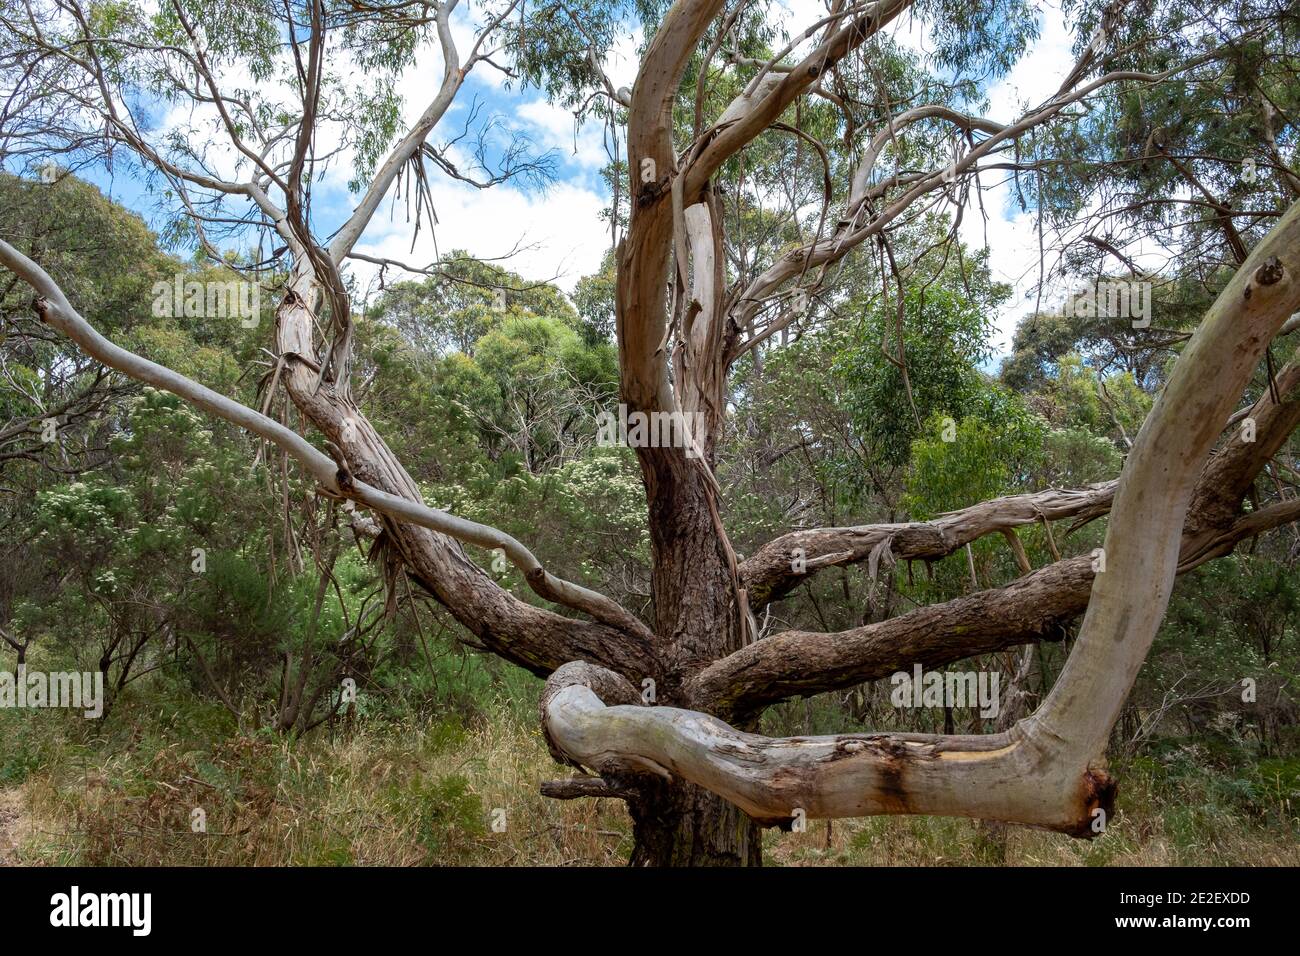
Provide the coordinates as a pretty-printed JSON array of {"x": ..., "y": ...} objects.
[{"x": 686, "y": 825}]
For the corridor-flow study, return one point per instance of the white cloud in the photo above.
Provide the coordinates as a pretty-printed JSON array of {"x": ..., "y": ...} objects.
[
  {"x": 553, "y": 128},
  {"x": 1039, "y": 73},
  {"x": 623, "y": 61},
  {"x": 560, "y": 235}
]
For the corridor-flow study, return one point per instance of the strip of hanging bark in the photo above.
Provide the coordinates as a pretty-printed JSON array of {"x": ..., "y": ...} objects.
[{"x": 1018, "y": 549}]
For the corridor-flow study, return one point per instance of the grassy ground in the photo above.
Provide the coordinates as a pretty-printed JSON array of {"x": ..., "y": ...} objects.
[{"x": 399, "y": 793}]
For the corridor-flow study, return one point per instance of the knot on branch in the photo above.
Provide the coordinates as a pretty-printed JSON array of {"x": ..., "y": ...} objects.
[
  {"x": 1099, "y": 793},
  {"x": 784, "y": 824},
  {"x": 1270, "y": 273},
  {"x": 649, "y": 193}
]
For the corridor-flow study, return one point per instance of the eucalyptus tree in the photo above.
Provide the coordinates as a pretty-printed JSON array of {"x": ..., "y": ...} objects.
[
  {"x": 756, "y": 167},
  {"x": 54, "y": 396}
]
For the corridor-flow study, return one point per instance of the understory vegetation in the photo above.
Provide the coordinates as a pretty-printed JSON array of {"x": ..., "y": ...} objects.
[{"x": 423, "y": 790}]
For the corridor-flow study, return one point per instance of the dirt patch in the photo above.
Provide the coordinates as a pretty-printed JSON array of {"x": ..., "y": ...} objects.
[{"x": 11, "y": 820}]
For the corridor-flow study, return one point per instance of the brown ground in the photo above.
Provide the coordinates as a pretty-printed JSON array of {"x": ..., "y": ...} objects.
[{"x": 10, "y": 820}]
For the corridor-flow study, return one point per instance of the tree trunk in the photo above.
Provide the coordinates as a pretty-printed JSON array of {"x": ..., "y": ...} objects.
[
  {"x": 682, "y": 824},
  {"x": 686, "y": 825},
  {"x": 675, "y": 822}
]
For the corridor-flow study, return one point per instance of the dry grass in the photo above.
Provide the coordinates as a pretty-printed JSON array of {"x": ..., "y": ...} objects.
[
  {"x": 429, "y": 795},
  {"x": 934, "y": 842}
]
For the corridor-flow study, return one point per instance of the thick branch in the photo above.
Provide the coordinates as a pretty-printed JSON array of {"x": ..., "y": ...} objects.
[
  {"x": 785, "y": 562},
  {"x": 1144, "y": 534},
  {"x": 643, "y": 260},
  {"x": 775, "y": 780},
  {"x": 1233, "y": 467},
  {"x": 1031, "y": 608}
]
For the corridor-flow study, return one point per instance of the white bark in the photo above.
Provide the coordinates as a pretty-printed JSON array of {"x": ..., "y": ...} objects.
[{"x": 999, "y": 777}]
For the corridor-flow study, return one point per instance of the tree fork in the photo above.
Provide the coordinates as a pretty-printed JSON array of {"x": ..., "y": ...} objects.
[{"x": 1048, "y": 769}]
